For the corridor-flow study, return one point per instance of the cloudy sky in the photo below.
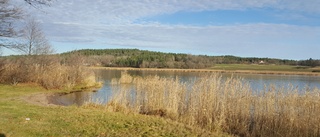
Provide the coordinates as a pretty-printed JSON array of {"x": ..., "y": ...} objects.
[{"x": 287, "y": 29}]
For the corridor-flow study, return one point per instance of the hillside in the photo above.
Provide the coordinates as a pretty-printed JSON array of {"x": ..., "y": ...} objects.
[{"x": 150, "y": 59}]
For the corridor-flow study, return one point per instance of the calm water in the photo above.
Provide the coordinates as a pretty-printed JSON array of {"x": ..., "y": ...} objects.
[{"x": 256, "y": 81}]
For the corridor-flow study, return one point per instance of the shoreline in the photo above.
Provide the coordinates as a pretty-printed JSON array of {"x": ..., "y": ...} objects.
[
  {"x": 48, "y": 99},
  {"x": 41, "y": 99},
  {"x": 270, "y": 72}
]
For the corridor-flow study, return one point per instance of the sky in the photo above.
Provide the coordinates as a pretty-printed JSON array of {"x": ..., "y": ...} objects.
[{"x": 286, "y": 29}]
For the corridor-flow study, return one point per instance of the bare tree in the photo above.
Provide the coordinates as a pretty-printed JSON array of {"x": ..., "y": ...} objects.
[
  {"x": 34, "y": 41},
  {"x": 9, "y": 14}
]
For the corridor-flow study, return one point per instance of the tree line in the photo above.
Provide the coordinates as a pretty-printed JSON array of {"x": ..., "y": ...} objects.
[{"x": 150, "y": 59}]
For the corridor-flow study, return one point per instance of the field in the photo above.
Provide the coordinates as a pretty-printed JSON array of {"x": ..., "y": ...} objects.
[
  {"x": 256, "y": 67},
  {"x": 238, "y": 68},
  {"x": 78, "y": 121}
]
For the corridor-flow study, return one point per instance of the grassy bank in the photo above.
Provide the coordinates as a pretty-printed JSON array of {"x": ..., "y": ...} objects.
[
  {"x": 239, "y": 68},
  {"x": 78, "y": 121},
  {"x": 223, "y": 105},
  {"x": 256, "y": 67}
]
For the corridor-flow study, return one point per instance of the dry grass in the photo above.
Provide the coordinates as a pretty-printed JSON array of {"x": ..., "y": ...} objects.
[
  {"x": 223, "y": 105},
  {"x": 46, "y": 71}
]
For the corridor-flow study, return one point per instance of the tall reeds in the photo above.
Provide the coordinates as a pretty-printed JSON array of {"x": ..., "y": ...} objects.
[
  {"x": 222, "y": 105},
  {"x": 47, "y": 71}
]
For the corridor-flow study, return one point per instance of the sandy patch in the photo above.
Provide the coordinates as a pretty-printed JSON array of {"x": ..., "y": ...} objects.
[{"x": 41, "y": 99}]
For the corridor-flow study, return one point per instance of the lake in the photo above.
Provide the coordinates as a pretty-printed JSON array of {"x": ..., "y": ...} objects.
[{"x": 257, "y": 82}]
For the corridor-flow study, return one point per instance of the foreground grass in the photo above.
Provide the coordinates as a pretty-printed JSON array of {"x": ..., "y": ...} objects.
[{"x": 78, "y": 121}]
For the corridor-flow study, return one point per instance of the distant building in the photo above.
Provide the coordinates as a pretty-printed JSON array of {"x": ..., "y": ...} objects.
[{"x": 261, "y": 62}]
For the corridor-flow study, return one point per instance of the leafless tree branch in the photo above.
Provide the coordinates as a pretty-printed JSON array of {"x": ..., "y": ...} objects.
[
  {"x": 39, "y": 2},
  {"x": 10, "y": 14},
  {"x": 34, "y": 41}
]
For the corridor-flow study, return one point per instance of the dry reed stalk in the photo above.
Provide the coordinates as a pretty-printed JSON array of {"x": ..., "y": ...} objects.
[
  {"x": 225, "y": 105},
  {"x": 46, "y": 71}
]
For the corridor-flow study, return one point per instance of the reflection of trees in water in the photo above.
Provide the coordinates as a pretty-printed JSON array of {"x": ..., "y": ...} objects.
[
  {"x": 82, "y": 97},
  {"x": 76, "y": 98},
  {"x": 107, "y": 75}
]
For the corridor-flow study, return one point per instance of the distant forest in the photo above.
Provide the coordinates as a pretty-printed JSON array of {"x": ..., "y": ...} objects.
[{"x": 150, "y": 59}]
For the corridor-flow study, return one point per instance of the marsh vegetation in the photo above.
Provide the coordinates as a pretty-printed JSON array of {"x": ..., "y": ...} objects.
[
  {"x": 222, "y": 105},
  {"x": 47, "y": 71}
]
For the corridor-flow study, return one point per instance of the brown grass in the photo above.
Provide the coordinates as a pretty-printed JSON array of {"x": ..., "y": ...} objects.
[
  {"x": 223, "y": 105},
  {"x": 46, "y": 71}
]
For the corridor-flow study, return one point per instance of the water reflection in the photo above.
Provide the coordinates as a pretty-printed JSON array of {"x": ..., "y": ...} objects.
[
  {"x": 75, "y": 98},
  {"x": 258, "y": 82}
]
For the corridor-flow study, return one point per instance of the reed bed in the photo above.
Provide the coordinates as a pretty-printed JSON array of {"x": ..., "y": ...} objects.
[
  {"x": 222, "y": 105},
  {"x": 46, "y": 71}
]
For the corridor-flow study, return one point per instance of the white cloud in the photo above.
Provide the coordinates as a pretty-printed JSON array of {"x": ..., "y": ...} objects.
[
  {"x": 111, "y": 22},
  {"x": 124, "y": 11},
  {"x": 247, "y": 39}
]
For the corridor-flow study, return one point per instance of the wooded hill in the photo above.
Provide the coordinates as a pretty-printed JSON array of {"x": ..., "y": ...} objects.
[{"x": 150, "y": 59}]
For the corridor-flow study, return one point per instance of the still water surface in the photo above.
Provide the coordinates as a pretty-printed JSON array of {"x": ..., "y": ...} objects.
[{"x": 257, "y": 82}]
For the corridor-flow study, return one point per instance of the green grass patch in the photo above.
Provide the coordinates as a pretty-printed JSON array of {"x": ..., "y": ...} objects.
[
  {"x": 8, "y": 91},
  {"x": 257, "y": 67},
  {"x": 79, "y": 121}
]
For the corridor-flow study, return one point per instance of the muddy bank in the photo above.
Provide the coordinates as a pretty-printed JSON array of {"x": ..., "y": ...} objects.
[
  {"x": 42, "y": 99},
  {"x": 56, "y": 99}
]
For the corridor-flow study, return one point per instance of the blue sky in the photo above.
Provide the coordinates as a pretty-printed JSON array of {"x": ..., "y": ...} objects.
[
  {"x": 287, "y": 29},
  {"x": 231, "y": 17}
]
